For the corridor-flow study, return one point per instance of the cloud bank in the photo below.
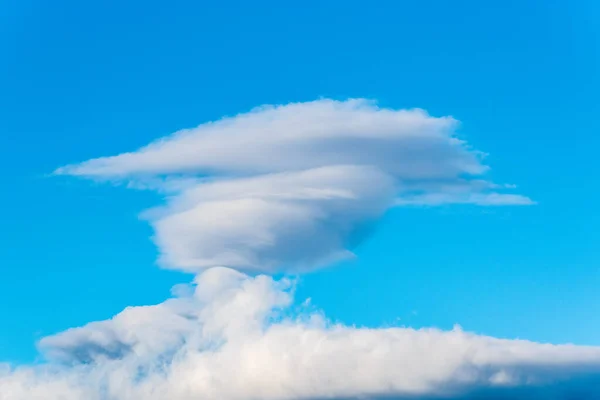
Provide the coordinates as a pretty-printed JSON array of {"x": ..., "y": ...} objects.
[
  {"x": 239, "y": 337},
  {"x": 290, "y": 188},
  {"x": 295, "y": 186}
]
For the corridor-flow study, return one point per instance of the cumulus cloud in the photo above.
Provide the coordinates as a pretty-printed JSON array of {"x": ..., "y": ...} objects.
[
  {"x": 238, "y": 337},
  {"x": 295, "y": 186}
]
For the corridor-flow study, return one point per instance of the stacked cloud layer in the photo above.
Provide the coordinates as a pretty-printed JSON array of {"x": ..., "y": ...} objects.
[{"x": 295, "y": 186}]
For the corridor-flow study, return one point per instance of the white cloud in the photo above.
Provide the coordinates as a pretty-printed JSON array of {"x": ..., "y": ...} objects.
[
  {"x": 279, "y": 188},
  {"x": 236, "y": 337},
  {"x": 297, "y": 219},
  {"x": 295, "y": 186},
  {"x": 298, "y": 136},
  {"x": 479, "y": 199}
]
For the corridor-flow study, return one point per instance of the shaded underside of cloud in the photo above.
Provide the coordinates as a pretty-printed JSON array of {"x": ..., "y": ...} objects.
[
  {"x": 239, "y": 337},
  {"x": 295, "y": 187}
]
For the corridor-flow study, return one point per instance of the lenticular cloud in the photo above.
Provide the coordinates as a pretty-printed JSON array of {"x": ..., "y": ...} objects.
[
  {"x": 295, "y": 186},
  {"x": 290, "y": 188}
]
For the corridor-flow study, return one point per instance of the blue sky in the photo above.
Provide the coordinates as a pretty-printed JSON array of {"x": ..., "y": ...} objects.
[{"x": 81, "y": 80}]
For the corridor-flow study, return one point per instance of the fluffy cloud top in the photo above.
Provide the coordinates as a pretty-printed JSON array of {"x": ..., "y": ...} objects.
[
  {"x": 295, "y": 186},
  {"x": 236, "y": 337}
]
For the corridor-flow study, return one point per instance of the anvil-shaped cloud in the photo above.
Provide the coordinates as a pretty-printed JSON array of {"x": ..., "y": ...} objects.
[{"x": 295, "y": 186}]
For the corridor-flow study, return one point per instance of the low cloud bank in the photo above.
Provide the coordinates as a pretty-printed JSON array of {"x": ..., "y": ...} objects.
[{"x": 239, "y": 337}]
